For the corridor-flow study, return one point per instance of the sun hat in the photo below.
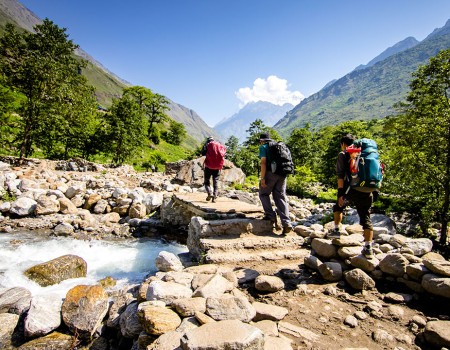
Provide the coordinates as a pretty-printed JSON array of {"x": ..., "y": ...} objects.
[{"x": 265, "y": 136}]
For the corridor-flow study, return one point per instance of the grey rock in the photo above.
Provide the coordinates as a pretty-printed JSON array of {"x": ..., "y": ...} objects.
[
  {"x": 130, "y": 326},
  {"x": 394, "y": 264},
  {"x": 228, "y": 307},
  {"x": 15, "y": 300},
  {"x": 436, "y": 284},
  {"x": 229, "y": 334},
  {"x": 23, "y": 206},
  {"x": 359, "y": 280},
  {"x": 270, "y": 284},
  {"x": 43, "y": 316},
  {"x": 437, "y": 333}
]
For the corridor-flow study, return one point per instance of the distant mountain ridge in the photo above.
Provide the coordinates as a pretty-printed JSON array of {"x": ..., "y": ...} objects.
[
  {"x": 403, "y": 45},
  {"x": 108, "y": 85},
  {"x": 366, "y": 93},
  {"x": 238, "y": 123}
]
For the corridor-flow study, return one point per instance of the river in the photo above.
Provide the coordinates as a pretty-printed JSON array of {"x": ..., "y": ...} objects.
[{"x": 127, "y": 261}]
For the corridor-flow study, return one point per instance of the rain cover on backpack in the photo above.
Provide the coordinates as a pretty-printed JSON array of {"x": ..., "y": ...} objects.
[
  {"x": 215, "y": 153},
  {"x": 366, "y": 169}
]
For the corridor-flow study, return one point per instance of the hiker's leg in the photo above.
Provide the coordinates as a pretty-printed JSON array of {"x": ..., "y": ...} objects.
[
  {"x": 338, "y": 211},
  {"x": 368, "y": 235},
  {"x": 280, "y": 199},
  {"x": 363, "y": 204},
  {"x": 215, "y": 177},
  {"x": 338, "y": 214},
  {"x": 207, "y": 175},
  {"x": 264, "y": 196}
]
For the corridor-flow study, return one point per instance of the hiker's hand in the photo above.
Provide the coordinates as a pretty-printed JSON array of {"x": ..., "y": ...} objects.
[
  {"x": 341, "y": 201},
  {"x": 263, "y": 183}
]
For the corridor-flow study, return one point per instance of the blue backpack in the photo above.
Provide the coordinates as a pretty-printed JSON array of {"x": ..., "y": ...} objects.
[{"x": 367, "y": 171}]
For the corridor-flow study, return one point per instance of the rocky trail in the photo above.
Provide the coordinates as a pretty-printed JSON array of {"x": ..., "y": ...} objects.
[{"x": 328, "y": 295}]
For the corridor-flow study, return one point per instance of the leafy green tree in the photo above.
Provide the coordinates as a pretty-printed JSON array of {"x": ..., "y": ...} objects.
[
  {"x": 9, "y": 104},
  {"x": 419, "y": 142},
  {"x": 248, "y": 159},
  {"x": 232, "y": 146},
  {"x": 302, "y": 146},
  {"x": 254, "y": 131},
  {"x": 176, "y": 133},
  {"x": 67, "y": 131},
  {"x": 153, "y": 105},
  {"x": 127, "y": 127},
  {"x": 42, "y": 67}
]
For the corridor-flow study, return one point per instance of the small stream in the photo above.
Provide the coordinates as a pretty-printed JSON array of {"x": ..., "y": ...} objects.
[{"x": 127, "y": 261}]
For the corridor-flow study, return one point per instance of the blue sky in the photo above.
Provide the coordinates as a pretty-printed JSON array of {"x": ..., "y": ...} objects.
[{"x": 213, "y": 56}]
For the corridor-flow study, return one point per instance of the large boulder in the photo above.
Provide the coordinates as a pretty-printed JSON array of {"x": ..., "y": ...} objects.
[
  {"x": 437, "y": 333},
  {"x": 23, "y": 206},
  {"x": 191, "y": 172},
  {"x": 57, "y": 270},
  {"x": 84, "y": 308},
  {"x": 43, "y": 316}
]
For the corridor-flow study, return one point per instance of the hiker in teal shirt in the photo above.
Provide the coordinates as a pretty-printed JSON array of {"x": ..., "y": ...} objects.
[{"x": 274, "y": 184}]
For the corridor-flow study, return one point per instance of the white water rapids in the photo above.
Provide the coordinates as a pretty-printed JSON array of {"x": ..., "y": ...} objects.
[{"x": 126, "y": 261}]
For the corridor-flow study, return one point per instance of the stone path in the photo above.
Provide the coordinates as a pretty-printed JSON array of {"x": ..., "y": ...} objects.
[
  {"x": 196, "y": 202},
  {"x": 233, "y": 232}
]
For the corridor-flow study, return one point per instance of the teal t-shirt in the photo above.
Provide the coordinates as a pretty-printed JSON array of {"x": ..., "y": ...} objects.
[{"x": 264, "y": 152}]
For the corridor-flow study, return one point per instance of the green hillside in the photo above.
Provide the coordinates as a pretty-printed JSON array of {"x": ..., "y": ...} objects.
[
  {"x": 365, "y": 94},
  {"x": 106, "y": 86}
]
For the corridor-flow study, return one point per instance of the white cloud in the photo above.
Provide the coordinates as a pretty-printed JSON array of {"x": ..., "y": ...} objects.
[{"x": 272, "y": 89}]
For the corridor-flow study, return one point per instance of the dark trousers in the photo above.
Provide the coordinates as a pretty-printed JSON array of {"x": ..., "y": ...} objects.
[
  {"x": 362, "y": 202},
  {"x": 214, "y": 173}
]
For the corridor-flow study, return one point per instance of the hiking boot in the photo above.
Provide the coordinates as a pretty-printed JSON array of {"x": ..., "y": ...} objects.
[
  {"x": 268, "y": 218},
  {"x": 209, "y": 197},
  {"x": 287, "y": 229},
  {"x": 367, "y": 251},
  {"x": 335, "y": 233},
  {"x": 214, "y": 199},
  {"x": 273, "y": 221}
]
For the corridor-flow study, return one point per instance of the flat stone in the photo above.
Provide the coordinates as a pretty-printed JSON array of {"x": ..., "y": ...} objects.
[{"x": 230, "y": 334}]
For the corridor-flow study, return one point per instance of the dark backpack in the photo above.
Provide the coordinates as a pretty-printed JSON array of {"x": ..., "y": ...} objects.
[
  {"x": 215, "y": 154},
  {"x": 280, "y": 158},
  {"x": 366, "y": 169}
]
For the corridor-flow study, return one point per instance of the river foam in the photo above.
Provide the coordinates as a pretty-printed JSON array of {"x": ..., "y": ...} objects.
[{"x": 127, "y": 261}]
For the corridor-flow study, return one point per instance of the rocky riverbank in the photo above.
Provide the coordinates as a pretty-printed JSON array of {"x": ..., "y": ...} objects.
[{"x": 333, "y": 299}]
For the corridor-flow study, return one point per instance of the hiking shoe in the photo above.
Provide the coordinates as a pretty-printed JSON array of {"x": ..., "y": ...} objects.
[
  {"x": 214, "y": 199},
  {"x": 287, "y": 229},
  {"x": 209, "y": 198},
  {"x": 367, "y": 251},
  {"x": 335, "y": 233},
  {"x": 273, "y": 221}
]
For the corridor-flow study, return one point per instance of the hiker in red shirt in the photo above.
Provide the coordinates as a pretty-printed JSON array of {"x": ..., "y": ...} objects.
[{"x": 215, "y": 157}]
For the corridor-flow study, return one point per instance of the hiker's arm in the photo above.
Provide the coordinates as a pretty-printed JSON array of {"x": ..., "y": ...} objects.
[
  {"x": 263, "y": 170},
  {"x": 340, "y": 172},
  {"x": 340, "y": 190}
]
